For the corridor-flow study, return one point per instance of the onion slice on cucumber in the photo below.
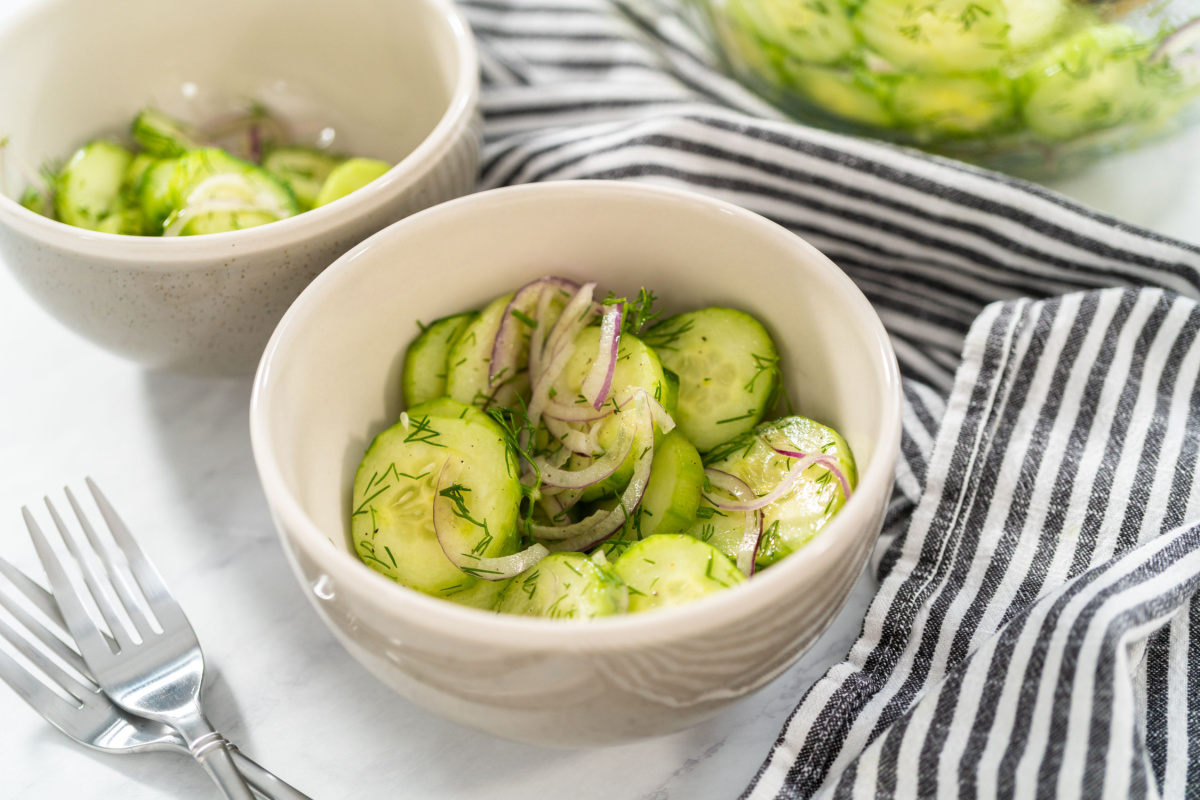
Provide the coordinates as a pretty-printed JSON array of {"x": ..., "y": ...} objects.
[
  {"x": 598, "y": 382},
  {"x": 506, "y": 348},
  {"x": 588, "y": 533},
  {"x": 827, "y": 461},
  {"x": 449, "y": 514},
  {"x": 770, "y": 497},
  {"x": 600, "y": 469},
  {"x": 752, "y": 538}
]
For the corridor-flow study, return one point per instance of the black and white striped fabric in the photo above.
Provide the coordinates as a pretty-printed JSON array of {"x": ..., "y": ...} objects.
[{"x": 1035, "y": 633}]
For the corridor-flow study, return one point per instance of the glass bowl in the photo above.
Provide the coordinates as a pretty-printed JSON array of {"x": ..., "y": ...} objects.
[{"x": 1034, "y": 87}]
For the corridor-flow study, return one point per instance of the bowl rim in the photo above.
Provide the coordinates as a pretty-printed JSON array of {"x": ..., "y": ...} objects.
[
  {"x": 537, "y": 634},
  {"x": 164, "y": 253}
]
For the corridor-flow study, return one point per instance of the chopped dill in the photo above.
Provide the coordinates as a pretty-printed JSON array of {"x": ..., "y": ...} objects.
[{"x": 666, "y": 334}]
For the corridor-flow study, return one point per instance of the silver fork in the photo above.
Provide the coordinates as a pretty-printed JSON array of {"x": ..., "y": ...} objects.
[
  {"x": 92, "y": 719},
  {"x": 158, "y": 677}
]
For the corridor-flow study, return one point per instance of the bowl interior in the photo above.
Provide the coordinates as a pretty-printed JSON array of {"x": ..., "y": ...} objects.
[
  {"x": 330, "y": 379},
  {"x": 379, "y": 73}
]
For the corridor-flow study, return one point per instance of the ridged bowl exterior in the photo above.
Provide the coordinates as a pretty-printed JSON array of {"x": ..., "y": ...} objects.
[
  {"x": 549, "y": 682},
  {"x": 208, "y": 304}
]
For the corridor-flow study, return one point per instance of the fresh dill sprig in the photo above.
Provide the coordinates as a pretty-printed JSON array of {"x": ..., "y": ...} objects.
[
  {"x": 423, "y": 431},
  {"x": 666, "y": 334},
  {"x": 640, "y": 313}
]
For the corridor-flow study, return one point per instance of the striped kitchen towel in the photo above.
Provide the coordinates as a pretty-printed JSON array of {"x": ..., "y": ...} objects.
[{"x": 1035, "y": 632}]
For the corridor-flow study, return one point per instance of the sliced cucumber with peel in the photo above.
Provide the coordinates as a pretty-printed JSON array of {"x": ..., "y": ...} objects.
[
  {"x": 672, "y": 570},
  {"x": 791, "y": 521},
  {"x": 728, "y": 371},
  {"x": 303, "y": 169},
  {"x": 565, "y": 586},
  {"x": 965, "y": 105},
  {"x": 218, "y": 192},
  {"x": 88, "y": 189},
  {"x": 163, "y": 136},
  {"x": 471, "y": 355},
  {"x": 939, "y": 36},
  {"x": 392, "y": 502},
  {"x": 424, "y": 375},
  {"x": 349, "y": 176}
]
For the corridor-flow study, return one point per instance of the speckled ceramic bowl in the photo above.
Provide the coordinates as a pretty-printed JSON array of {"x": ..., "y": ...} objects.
[
  {"x": 395, "y": 79},
  {"x": 330, "y": 380}
]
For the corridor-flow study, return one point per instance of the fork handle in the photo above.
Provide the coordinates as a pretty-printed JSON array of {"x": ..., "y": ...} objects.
[
  {"x": 266, "y": 784},
  {"x": 208, "y": 748}
]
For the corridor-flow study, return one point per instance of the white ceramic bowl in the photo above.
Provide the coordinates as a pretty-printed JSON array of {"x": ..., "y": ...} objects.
[
  {"x": 395, "y": 79},
  {"x": 329, "y": 381}
]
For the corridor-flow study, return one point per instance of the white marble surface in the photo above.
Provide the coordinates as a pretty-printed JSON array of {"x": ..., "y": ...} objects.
[{"x": 174, "y": 456}]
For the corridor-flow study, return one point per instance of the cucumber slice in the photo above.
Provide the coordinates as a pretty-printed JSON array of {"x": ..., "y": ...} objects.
[
  {"x": 303, "y": 169},
  {"x": 673, "y": 570},
  {"x": 134, "y": 174},
  {"x": 469, "y": 357},
  {"x": 89, "y": 186},
  {"x": 672, "y": 494},
  {"x": 638, "y": 367},
  {"x": 670, "y": 400},
  {"x": 565, "y": 586},
  {"x": 1032, "y": 22},
  {"x": 154, "y": 192},
  {"x": 818, "y": 32},
  {"x": 392, "y": 519},
  {"x": 228, "y": 191},
  {"x": 1093, "y": 80},
  {"x": 448, "y": 407},
  {"x": 722, "y": 529},
  {"x": 162, "y": 136},
  {"x": 728, "y": 371},
  {"x": 221, "y": 222},
  {"x": 936, "y": 36},
  {"x": 424, "y": 376},
  {"x": 349, "y": 176},
  {"x": 959, "y": 106},
  {"x": 851, "y": 94},
  {"x": 125, "y": 220},
  {"x": 790, "y": 522}
]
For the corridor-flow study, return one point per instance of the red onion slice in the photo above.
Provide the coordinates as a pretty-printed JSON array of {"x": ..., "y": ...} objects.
[
  {"x": 571, "y": 439},
  {"x": 752, "y": 538},
  {"x": 598, "y": 382},
  {"x": 1180, "y": 46},
  {"x": 770, "y": 497},
  {"x": 588, "y": 533},
  {"x": 827, "y": 461},
  {"x": 600, "y": 469},
  {"x": 446, "y": 526},
  {"x": 508, "y": 344},
  {"x": 575, "y": 316},
  {"x": 573, "y": 413}
]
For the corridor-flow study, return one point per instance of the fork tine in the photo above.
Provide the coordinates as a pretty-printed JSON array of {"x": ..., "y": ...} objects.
[
  {"x": 51, "y": 670},
  {"x": 43, "y": 634},
  {"x": 84, "y": 631},
  {"x": 94, "y": 583},
  {"x": 157, "y": 595},
  {"x": 118, "y": 573},
  {"x": 33, "y": 592},
  {"x": 34, "y": 692}
]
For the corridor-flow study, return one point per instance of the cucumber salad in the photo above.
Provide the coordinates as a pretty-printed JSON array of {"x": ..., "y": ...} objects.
[
  {"x": 239, "y": 172},
  {"x": 969, "y": 76},
  {"x": 568, "y": 456}
]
